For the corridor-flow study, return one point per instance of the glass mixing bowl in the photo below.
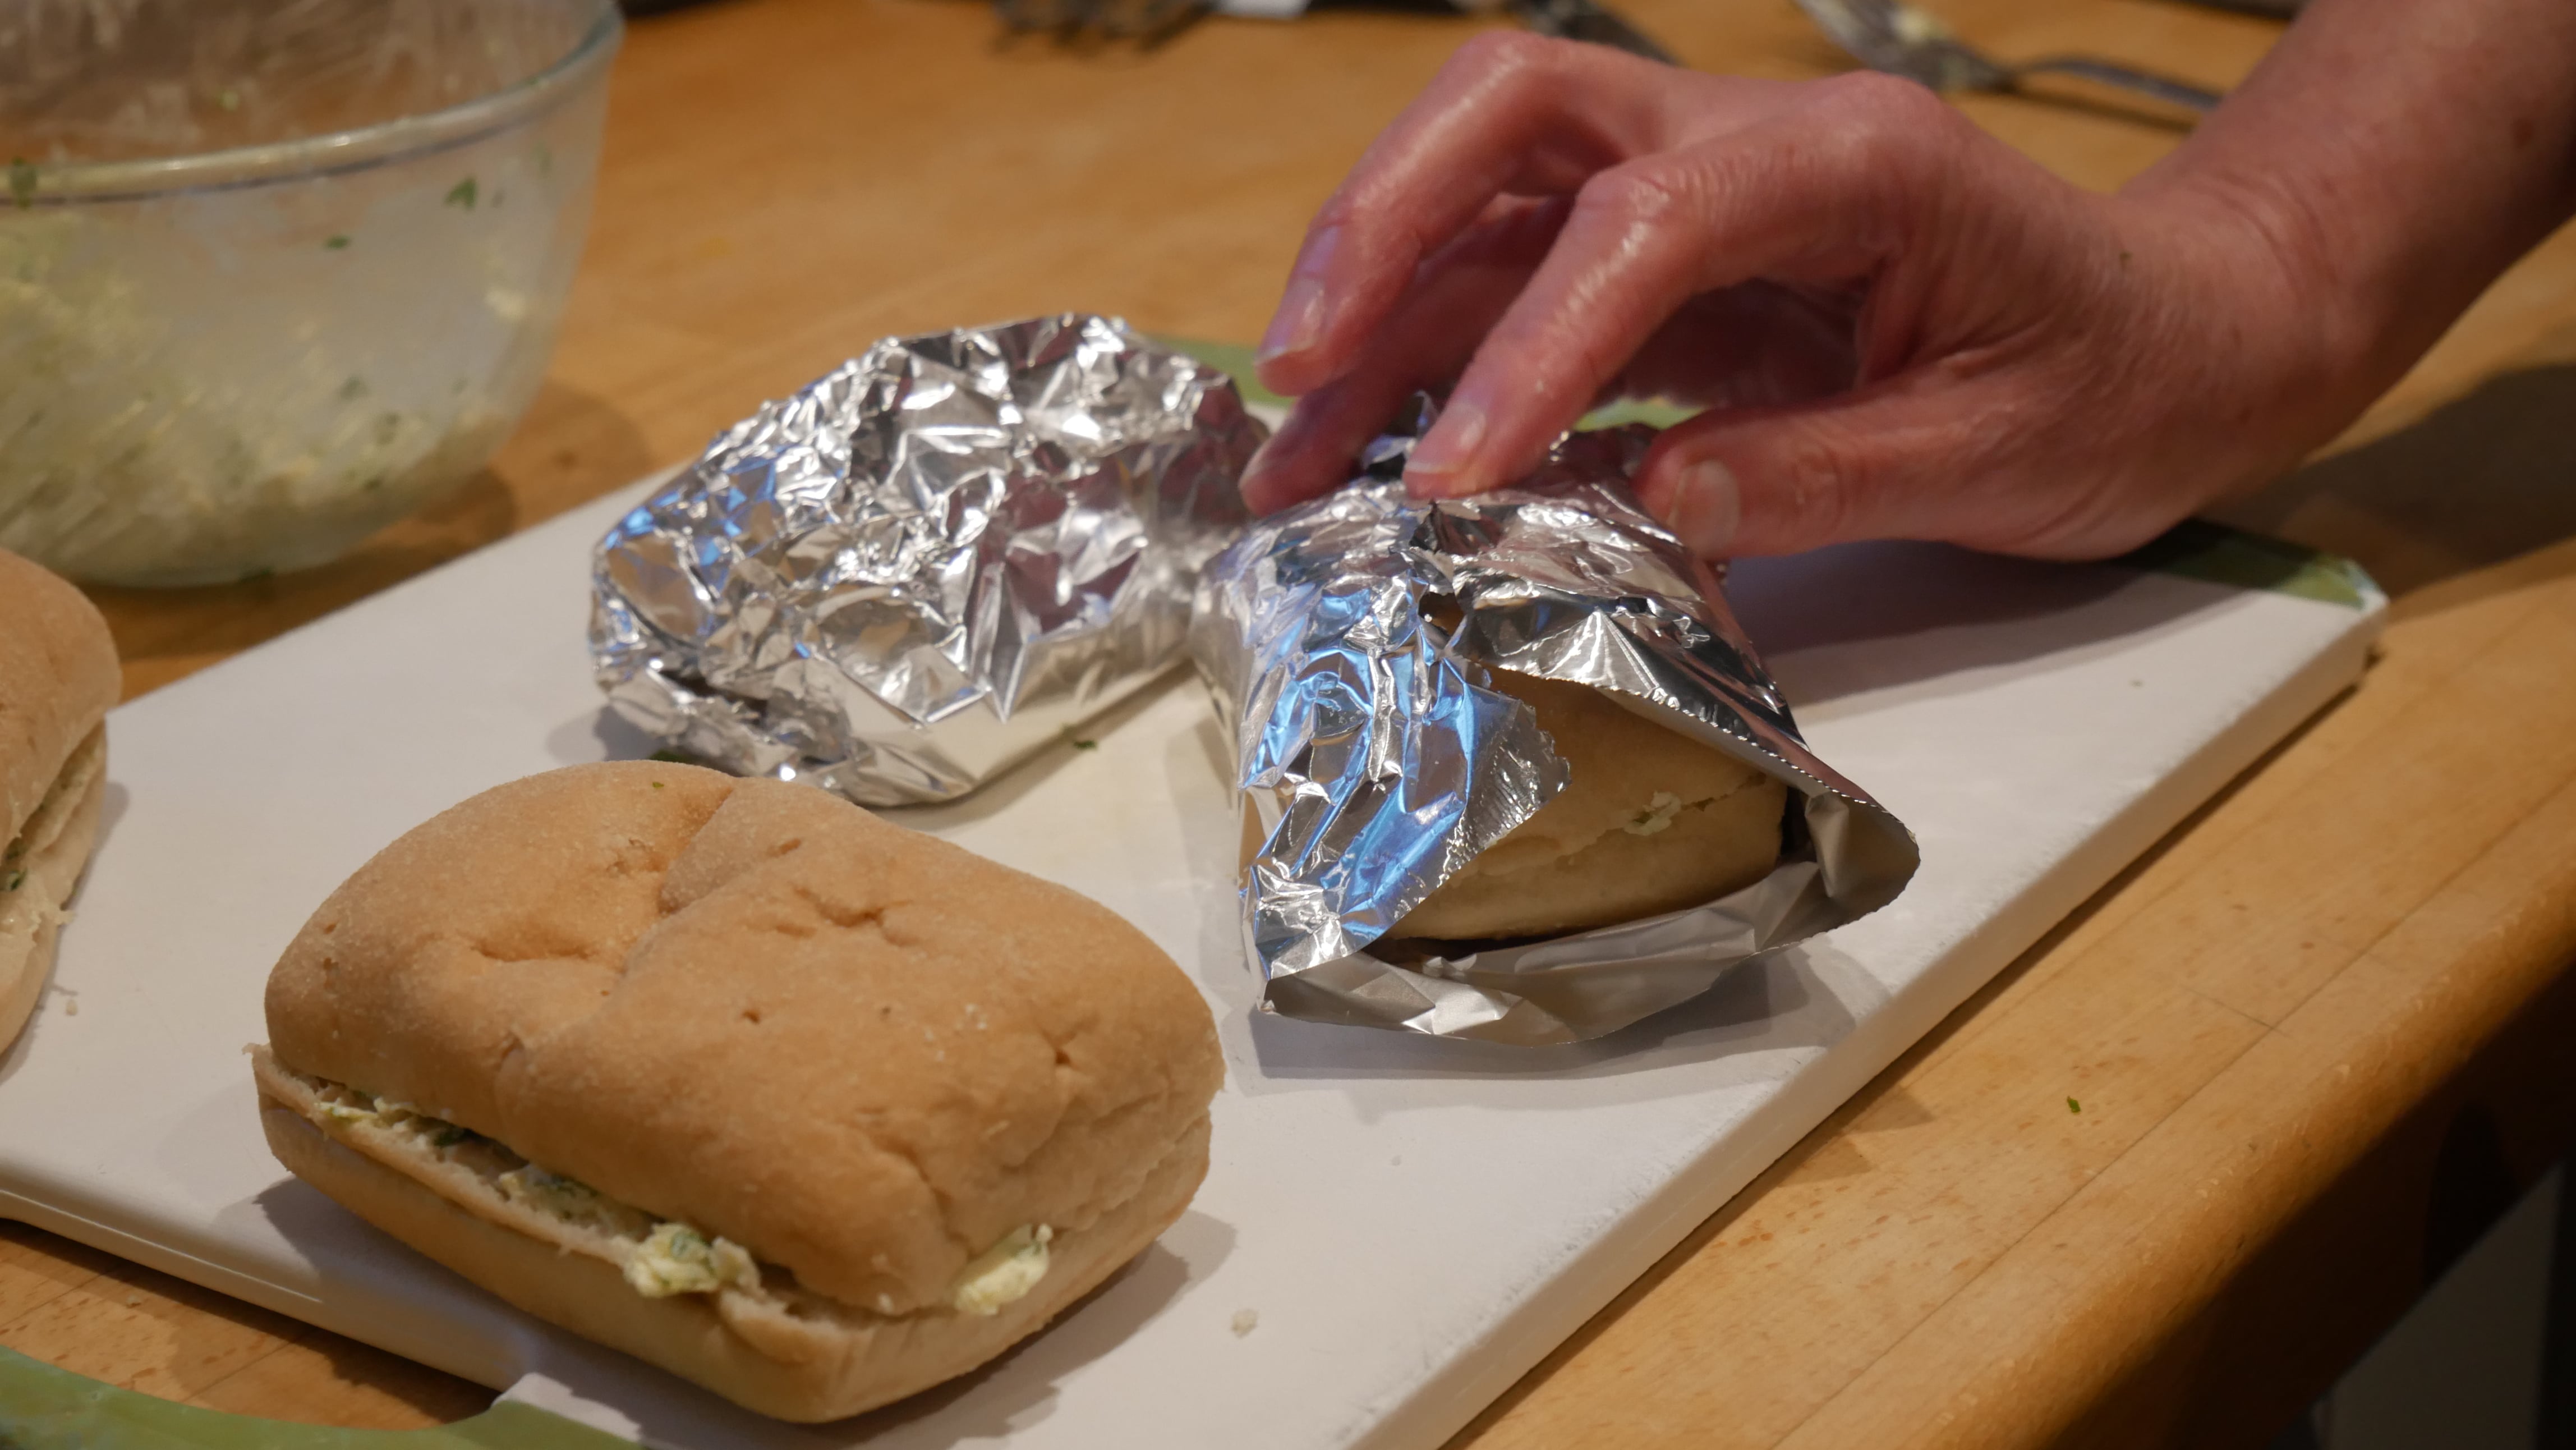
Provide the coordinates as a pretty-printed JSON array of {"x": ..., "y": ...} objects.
[{"x": 274, "y": 273}]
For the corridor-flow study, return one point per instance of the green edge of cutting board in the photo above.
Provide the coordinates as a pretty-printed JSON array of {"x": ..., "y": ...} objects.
[
  {"x": 44, "y": 1408},
  {"x": 2199, "y": 549},
  {"x": 2194, "y": 549}
]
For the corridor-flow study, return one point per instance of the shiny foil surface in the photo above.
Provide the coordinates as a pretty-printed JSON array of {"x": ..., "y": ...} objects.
[
  {"x": 929, "y": 563},
  {"x": 1374, "y": 763}
]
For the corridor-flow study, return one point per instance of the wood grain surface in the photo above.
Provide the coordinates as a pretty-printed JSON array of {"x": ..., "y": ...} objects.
[{"x": 2315, "y": 1037}]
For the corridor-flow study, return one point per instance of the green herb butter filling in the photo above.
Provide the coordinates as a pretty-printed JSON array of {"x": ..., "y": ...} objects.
[
  {"x": 659, "y": 1257},
  {"x": 677, "y": 1259},
  {"x": 1004, "y": 1273},
  {"x": 1658, "y": 814}
]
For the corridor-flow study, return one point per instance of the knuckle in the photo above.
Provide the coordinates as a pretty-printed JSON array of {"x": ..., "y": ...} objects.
[
  {"x": 1343, "y": 207},
  {"x": 1879, "y": 97},
  {"x": 1500, "y": 52},
  {"x": 1886, "y": 120},
  {"x": 1890, "y": 149},
  {"x": 1632, "y": 195},
  {"x": 1818, "y": 481}
]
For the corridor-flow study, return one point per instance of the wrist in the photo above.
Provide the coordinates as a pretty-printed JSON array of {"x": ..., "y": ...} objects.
[{"x": 2313, "y": 337}]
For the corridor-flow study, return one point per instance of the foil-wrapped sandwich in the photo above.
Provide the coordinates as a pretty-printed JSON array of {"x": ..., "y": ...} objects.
[
  {"x": 929, "y": 563},
  {"x": 1510, "y": 770}
]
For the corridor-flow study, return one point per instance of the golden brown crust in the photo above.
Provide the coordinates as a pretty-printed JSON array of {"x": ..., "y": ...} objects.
[
  {"x": 38, "y": 873},
  {"x": 58, "y": 679},
  {"x": 861, "y": 1052},
  {"x": 1650, "y": 821},
  {"x": 792, "y": 1367}
]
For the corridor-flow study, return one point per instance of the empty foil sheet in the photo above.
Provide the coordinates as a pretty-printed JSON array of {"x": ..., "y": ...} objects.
[
  {"x": 928, "y": 564},
  {"x": 1374, "y": 762}
]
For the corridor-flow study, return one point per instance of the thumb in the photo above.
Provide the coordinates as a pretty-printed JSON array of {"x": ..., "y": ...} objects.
[{"x": 1776, "y": 480}]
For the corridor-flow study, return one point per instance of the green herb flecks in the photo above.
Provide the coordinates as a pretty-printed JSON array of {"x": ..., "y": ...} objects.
[
  {"x": 657, "y": 785},
  {"x": 337, "y": 242},
  {"x": 355, "y": 388},
  {"x": 230, "y": 99},
  {"x": 2073, "y": 1106},
  {"x": 22, "y": 182},
  {"x": 13, "y": 881},
  {"x": 1078, "y": 742},
  {"x": 670, "y": 757},
  {"x": 462, "y": 194}
]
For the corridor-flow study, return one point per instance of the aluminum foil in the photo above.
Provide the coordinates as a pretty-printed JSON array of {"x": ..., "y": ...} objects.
[
  {"x": 1374, "y": 762},
  {"x": 928, "y": 564}
]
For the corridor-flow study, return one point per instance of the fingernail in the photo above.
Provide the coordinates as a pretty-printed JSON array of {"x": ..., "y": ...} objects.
[
  {"x": 1299, "y": 322},
  {"x": 1432, "y": 469},
  {"x": 1707, "y": 509}
]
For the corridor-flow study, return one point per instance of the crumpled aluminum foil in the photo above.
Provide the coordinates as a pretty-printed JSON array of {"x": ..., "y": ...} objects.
[
  {"x": 1374, "y": 763},
  {"x": 932, "y": 561}
]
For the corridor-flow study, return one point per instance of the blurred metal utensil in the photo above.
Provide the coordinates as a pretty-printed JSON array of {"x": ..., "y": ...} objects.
[
  {"x": 1149, "y": 22},
  {"x": 1588, "y": 21},
  {"x": 1893, "y": 36},
  {"x": 1145, "y": 22}
]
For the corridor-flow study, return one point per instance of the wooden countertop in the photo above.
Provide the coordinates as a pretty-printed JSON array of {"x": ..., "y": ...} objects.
[{"x": 2315, "y": 1034}]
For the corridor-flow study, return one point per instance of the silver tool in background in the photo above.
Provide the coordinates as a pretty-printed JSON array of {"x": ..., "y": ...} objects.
[{"x": 1902, "y": 39}]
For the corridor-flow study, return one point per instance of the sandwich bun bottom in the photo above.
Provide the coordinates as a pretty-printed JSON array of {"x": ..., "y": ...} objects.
[
  {"x": 1650, "y": 821},
  {"x": 51, "y": 854},
  {"x": 802, "y": 1370}
]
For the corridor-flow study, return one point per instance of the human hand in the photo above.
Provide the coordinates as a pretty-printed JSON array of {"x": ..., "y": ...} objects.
[{"x": 1899, "y": 326}]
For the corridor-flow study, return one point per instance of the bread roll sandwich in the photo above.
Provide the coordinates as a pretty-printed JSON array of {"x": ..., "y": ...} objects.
[
  {"x": 1650, "y": 821},
  {"x": 735, "y": 1077},
  {"x": 58, "y": 677}
]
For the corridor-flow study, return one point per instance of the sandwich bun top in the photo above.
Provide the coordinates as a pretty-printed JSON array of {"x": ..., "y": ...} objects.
[
  {"x": 862, "y": 1053},
  {"x": 58, "y": 679}
]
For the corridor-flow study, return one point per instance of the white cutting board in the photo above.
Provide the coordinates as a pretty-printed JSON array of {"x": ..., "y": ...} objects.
[{"x": 1413, "y": 1222}]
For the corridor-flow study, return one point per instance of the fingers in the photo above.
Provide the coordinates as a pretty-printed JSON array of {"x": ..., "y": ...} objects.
[
  {"x": 1966, "y": 461},
  {"x": 1813, "y": 196},
  {"x": 1779, "y": 480},
  {"x": 1509, "y": 114},
  {"x": 1456, "y": 298},
  {"x": 1755, "y": 345}
]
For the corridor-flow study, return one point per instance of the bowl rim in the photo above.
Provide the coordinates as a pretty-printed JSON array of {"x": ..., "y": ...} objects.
[{"x": 333, "y": 153}]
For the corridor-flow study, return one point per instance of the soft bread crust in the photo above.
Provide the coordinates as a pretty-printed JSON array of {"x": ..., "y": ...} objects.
[
  {"x": 1577, "y": 864},
  {"x": 802, "y": 1368},
  {"x": 58, "y": 679},
  {"x": 50, "y": 854},
  {"x": 860, "y": 1052}
]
